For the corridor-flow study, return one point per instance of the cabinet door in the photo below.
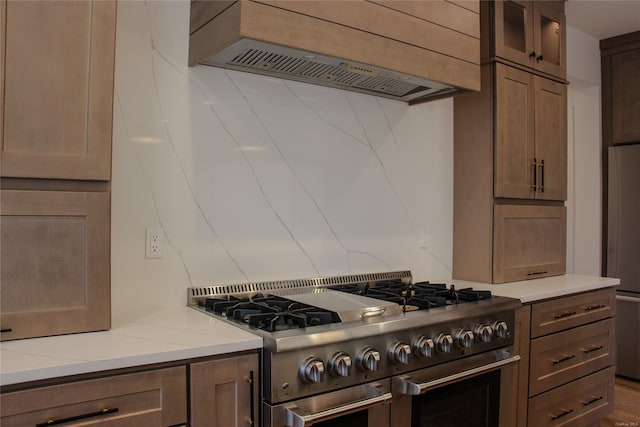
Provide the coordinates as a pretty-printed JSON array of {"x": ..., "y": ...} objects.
[
  {"x": 224, "y": 392},
  {"x": 57, "y": 64},
  {"x": 54, "y": 254},
  {"x": 514, "y": 145},
  {"x": 551, "y": 139},
  {"x": 145, "y": 399},
  {"x": 529, "y": 242},
  {"x": 513, "y": 21},
  {"x": 550, "y": 38},
  {"x": 625, "y": 97}
]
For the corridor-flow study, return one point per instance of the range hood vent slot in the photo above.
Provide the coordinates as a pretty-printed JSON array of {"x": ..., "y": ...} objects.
[{"x": 341, "y": 75}]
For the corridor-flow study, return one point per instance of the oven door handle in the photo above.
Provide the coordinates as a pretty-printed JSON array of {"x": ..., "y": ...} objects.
[
  {"x": 404, "y": 385},
  {"x": 296, "y": 417}
]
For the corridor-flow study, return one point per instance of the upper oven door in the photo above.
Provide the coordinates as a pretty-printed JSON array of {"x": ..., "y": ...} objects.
[
  {"x": 363, "y": 405},
  {"x": 476, "y": 391}
]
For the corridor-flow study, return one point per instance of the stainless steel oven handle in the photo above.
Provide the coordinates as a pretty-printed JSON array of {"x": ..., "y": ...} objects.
[
  {"x": 406, "y": 386},
  {"x": 295, "y": 417}
]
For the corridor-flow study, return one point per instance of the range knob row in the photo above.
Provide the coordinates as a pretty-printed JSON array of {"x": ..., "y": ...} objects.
[{"x": 339, "y": 365}]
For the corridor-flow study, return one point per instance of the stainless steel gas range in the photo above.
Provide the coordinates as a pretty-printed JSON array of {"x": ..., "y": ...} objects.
[{"x": 375, "y": 350}]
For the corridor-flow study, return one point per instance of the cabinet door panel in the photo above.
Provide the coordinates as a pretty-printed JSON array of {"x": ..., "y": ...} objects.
[
  {"x": 550, "y": 38},
  {"x": 551, "y": 139},
  {"x": 221, "y": 391},
  {"x": 625, "y": 97},
  {"x": 514, "y": 151},
  {"x": 530, "y": 242},
  {"x": 55, "y": 262},
  {"x": 513, "y": 30},
  {"x": 58, "y": 97}
]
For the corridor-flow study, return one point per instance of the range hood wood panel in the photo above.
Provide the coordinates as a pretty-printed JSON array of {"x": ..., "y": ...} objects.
[{"x": 421, "y": 50}]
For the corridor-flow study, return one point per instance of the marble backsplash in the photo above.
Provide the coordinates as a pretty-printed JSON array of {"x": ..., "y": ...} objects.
[{"x": 253, "y": 178}]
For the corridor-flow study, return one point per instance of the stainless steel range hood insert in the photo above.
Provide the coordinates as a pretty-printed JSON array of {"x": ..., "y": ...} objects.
[{"x": 294, "y": 64}]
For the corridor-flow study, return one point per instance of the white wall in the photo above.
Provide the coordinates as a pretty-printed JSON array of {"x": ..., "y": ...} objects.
[
  {"x": 255, "y": 178},
  {"x": 584, "y": 197}
]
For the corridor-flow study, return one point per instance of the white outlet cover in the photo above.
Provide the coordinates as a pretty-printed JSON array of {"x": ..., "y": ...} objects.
[{"x": 154, "y": 242}]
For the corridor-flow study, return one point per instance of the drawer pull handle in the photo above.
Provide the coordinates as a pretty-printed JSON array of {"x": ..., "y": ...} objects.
[
  {"x": 594, "y": 307},
  {"x": 590, "y": 401},
  {"x": 565, "y": 314},
  {"x": 562, "y": 414},
  {"x": 52, "y": 422},
  {"x": 593, "y": 348},
  {"x": 6, "y": 330},
  {"x": 536, "y": 273},
  {"x": 563, "y": 359}
]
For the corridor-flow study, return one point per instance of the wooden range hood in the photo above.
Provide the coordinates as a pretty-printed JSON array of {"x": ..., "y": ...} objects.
[{"x": 407, "y": 50}]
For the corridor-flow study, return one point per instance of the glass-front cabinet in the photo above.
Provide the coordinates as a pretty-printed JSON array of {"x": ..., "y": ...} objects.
[{"x": 530, "y": 33}]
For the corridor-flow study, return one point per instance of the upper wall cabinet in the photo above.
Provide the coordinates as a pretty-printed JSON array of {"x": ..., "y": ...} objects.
[
  {"x": 57, "y": 69},
  {"x": 405, "y": 50},
  {"x": 529, "y": 33}
]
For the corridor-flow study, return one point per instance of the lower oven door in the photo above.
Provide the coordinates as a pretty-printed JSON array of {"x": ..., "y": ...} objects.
[
  {"x": 477, "y": 391},
  {"x": 366, "y": 405}
]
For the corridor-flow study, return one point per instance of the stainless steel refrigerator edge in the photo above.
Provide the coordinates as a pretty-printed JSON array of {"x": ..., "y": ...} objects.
[{"x": 623, "y": 253}]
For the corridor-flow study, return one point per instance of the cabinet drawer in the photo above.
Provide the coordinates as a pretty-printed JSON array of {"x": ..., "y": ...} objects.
[
  {"x": 579, "y": 403},
  {"x": 564, "y": 313},
  {"x": 559, "y": 358},
  {"x": 152, "y": 398}
]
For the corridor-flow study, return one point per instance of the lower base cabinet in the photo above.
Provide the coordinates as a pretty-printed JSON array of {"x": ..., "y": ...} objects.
[
  {"x": 150, "y": 398},
  {"x": 224, "y": 392}
]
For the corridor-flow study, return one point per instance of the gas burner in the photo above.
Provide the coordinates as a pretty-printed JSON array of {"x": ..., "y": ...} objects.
[{"x": 270, "y": 313}]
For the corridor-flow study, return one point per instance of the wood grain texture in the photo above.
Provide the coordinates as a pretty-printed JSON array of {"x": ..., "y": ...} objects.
[
  {"x": 55, "y": 255},
  {"x": 521, "y": 346},
  {"x": 151, "y": 398},
  {"x": 58, "y": 117}
]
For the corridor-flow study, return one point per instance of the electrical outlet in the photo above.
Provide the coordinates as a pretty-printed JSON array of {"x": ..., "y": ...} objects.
[
  {"x": 423, "y": 239},
  {"x": 154, "y": 242}
]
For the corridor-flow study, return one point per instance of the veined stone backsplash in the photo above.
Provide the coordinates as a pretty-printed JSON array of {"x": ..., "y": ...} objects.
[{"x": 255, "y": 178}]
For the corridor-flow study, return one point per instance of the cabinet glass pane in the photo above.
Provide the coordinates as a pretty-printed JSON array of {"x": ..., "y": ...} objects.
[
  {"x": 550, "y": 40},
  {"x": 514, "y": 30}
]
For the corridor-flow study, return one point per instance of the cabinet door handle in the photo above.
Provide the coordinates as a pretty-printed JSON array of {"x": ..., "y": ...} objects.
[
  {"x": 251, "y": 420},
  {"x": 52, "y": 422},
  {"x": 593, "y": 348},
  {"x": 563, "y": 359},
  {"x": 565, "y": 314},
  {"x": 535, "y": 174},
  {"x": 6, "y": 330},
  {"x": 590, "y": 401},
  {"x": 536, "y": 273},
  {"x": 532, "y": 54},
  {"x": 542, "y": 176},
  {"x": 594, "y": 307},
  {"x": 562, "y": 414},
  {"x": 539, "y": 58}
]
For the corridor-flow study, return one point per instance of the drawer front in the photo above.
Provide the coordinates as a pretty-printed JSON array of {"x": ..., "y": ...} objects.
[
  {"x": 151, "y": 398},
  {"x": 563, "y": 357},
  {"x": 578, "y": 403},
  {"x": 565, "y": 313}
]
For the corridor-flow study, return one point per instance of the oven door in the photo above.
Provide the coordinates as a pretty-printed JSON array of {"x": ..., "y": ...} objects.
[
  {"x": 477, "y": 391},
  {"x": 364, "y": 405}
]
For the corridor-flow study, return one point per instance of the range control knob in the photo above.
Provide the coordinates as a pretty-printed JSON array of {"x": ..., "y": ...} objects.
[
  {"x": 500, "y": 329},
  {"x": 483, "y": 333},
  {"x": 423, "y": 346},
  {"x": 399, "y": 352},
  {"x": 444, "y": 342},
  {"x": 464, "y": 338},
  {"x": 368, "y": 359},
  {"x": 311, "y": 370},
  {"x": 340, "y": 364}
]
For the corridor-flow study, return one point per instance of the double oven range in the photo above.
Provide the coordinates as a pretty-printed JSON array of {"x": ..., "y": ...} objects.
[{"x": 375, "y": 350}]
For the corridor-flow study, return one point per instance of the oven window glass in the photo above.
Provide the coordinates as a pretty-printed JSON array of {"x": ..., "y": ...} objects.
[
  {"x": 474, "y": 402},
  {"x": 357, "y": 419}
]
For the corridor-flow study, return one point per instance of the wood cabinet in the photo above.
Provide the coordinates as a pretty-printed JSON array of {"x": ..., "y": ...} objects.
[
  {"x": 55, "y": 262},
  {"x": 528, "y": 33},
  {"x": 570, "y": 348},
  {"x": 434, "y": 40},
  {"x": 150, "y": 398},
  {"x": 56, "y": 101},
  {"x": 531, "y": 136},
  {"x": 225, "y": 392},
  {"x": 509, "y": 214}
]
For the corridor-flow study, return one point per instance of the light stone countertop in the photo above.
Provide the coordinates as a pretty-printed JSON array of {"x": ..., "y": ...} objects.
[
  {"x": 529, "y": 291},
  {"x": 146, "y": 337}
]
